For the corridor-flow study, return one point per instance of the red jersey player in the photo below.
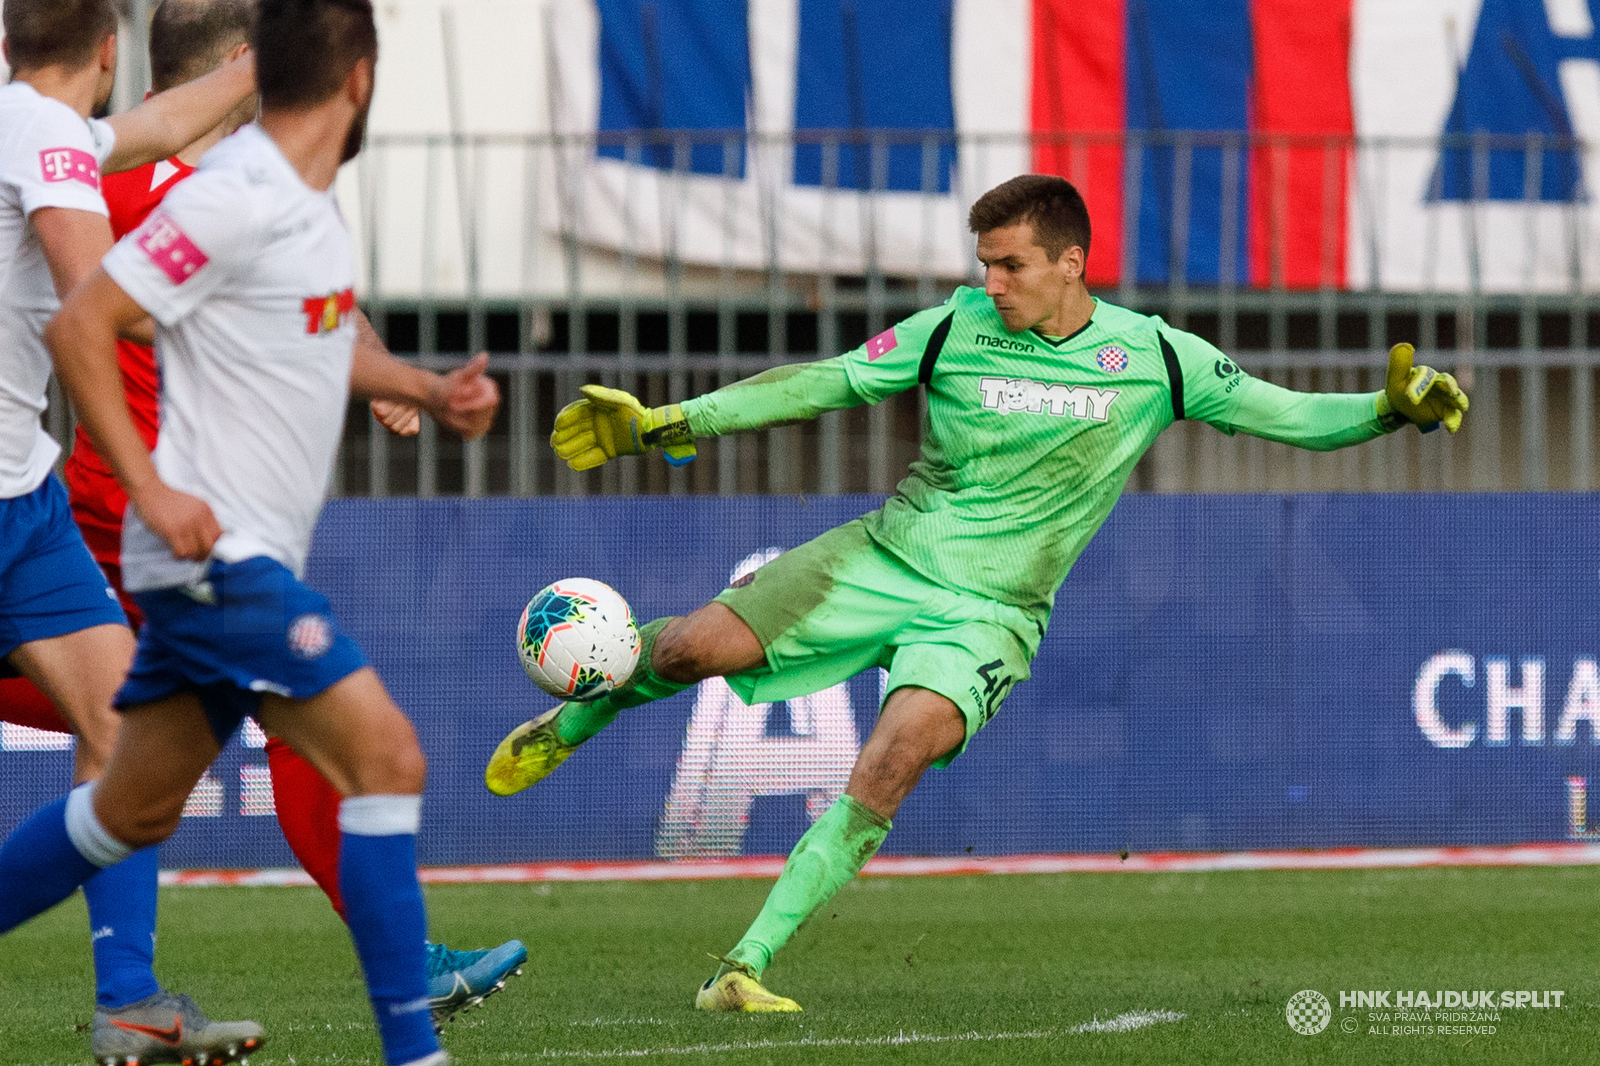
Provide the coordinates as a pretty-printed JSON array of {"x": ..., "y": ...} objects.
[
  {"x": 189, "y": 38},
  {"x": 98, "y": 502}
]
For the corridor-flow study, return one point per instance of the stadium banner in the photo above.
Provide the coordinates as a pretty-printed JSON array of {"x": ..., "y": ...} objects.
[
  {"x": 1222, "y": 673},
  {"x": 1388, "y": 142}
]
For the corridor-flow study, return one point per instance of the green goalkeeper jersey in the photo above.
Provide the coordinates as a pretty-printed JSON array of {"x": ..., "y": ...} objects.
[{"x": 1029, "y": 439}]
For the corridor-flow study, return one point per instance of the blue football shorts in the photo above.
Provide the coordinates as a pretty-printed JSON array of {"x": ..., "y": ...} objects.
[
  {"x": 49, "y": 583},
  {"x": 248, "y": 629}
]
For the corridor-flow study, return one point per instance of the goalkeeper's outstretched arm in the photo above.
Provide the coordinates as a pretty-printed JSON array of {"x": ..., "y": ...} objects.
[
  {"x": 1318, "y": 421},
  {"x": 797, "y": 392},
  {"x": 1216, "y": 391},
  {"x": 607, "y": 423}
]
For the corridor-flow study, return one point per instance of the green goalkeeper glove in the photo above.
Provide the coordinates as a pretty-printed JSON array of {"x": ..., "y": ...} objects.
[
  {"x": 1421, "y": 394},
  {"x": 607, "y": 423}
]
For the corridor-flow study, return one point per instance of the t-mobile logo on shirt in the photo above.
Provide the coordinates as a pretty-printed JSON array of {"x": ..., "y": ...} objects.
[
  {"x": 70, "y": 164},
  {"x": 1037, "y": 397},
  {"x": 882, "y": 345},
  {"x": 170, "y": 248}
]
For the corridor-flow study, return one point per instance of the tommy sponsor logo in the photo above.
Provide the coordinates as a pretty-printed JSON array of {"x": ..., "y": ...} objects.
[
  {"x": 1036, "y": 397},
  {"x": 882, "y": 345},
  {"x": 1005, "y": 344},
  {"x": 324, "y": 314},
  {"x": 310, "y": 636},
  {"x": 170, "y": 248},
  {"x": 70, "y": 164}
]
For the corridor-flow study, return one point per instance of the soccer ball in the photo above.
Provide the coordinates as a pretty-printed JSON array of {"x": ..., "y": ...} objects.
[{"x": 577, "y": 639}]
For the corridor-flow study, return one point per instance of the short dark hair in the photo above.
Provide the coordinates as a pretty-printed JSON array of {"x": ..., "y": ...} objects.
[
  {"x": 305, "y": 49},
  {"x": 189, "y": 38},
  {"x": 44, "y": 33},
  {"x": 1051, "y": 205}
]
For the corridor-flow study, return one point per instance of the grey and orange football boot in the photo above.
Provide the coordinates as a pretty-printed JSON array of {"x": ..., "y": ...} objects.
[{"x": 168, "y": 1027}]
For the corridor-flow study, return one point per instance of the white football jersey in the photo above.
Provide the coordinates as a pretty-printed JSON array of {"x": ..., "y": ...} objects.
[
  {"x": 249, "y": 274},
  {"x": 50, "y": 156}
]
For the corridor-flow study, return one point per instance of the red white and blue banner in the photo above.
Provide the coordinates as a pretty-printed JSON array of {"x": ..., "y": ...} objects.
[{"x": 1302, "y": 143}]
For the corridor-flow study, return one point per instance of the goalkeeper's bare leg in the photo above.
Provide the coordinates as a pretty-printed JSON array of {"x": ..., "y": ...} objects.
[{"x": 915, "y": 729}]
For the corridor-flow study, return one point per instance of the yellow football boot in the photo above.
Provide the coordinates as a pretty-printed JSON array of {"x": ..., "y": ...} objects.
[
  {"x": 528, "y": 754},
  {"x": 738, "y": 991}
]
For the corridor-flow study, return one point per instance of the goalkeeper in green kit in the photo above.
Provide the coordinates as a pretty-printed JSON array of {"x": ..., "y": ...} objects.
[{"x": 1040, "y": 401}]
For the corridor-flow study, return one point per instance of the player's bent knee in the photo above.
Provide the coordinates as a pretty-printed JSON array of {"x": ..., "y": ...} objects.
[
  {"x": 917, "y": 728},
  {"x": 153, "y": 831},
  {"x": 401, "y": 771},
  {"x": 95, "y": 726},
  {"x": 140, "y": 826},
  {"x": 887, "y": 771},
  {"x": 896, "y": 769}
]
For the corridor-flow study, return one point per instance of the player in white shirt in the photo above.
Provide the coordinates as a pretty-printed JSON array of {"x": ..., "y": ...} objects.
[
  {"x": 58, "y": 625},
  {"x": 248, "y": 271}
]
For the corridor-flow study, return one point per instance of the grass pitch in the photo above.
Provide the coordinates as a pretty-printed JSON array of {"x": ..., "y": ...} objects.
[{"x": 1081, "y": 968}]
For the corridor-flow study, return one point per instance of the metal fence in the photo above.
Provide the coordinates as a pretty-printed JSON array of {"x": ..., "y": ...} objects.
[
  {"x": 673, "y": 262},
  {"x": 1531, "y": 426}
]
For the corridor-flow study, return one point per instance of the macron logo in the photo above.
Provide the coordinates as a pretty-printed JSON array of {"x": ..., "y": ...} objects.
[
  {"x": 1005, "y": 344},
  {"x": 70, "y": 164},
  {"x": 170, "y": 248}
]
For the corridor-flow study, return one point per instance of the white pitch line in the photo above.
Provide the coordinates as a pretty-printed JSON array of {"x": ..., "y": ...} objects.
[{"x": 1122, "y": 1023}]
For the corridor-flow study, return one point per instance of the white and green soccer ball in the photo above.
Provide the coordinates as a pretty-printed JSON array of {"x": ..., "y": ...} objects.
[{"x": 577, "y": 639}]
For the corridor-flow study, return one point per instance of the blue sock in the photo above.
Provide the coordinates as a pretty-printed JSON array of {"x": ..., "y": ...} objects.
[
  {"x": 384, "y": 909},
  {"x": 39, "y": 867},
  {"x": 122, "y": 921}
]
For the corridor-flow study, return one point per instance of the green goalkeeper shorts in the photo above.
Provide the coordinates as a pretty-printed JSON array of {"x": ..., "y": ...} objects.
[{"x": 839, "y": 604}]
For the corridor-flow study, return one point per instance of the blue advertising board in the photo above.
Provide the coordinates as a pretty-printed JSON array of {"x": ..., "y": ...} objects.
[{"x": 1222, "y": 672}]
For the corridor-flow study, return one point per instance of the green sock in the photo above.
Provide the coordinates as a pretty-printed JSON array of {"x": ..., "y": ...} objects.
[
  {"x": 577, "y": 722},
  {"x": 832, "y": 851}
]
